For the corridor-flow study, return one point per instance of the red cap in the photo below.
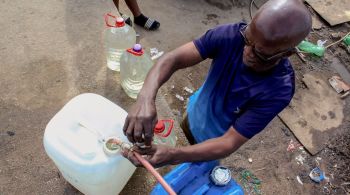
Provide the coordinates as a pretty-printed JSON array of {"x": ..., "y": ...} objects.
[
  {"x": 119, "y": 22},
  {"x": 160, "y": 127}
]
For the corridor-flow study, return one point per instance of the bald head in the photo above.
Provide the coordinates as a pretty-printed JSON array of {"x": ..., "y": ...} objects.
[{"x": 282, "y": 22}]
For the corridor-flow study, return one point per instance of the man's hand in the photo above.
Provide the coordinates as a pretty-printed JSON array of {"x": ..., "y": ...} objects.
[
  {"x": 142, "y": 116},
  {"x": 139, "y": 123},
  {"x": 157, "y": 155}
]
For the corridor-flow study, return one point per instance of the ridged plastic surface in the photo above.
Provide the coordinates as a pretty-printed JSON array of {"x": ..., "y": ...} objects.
[{"x": 71, "y": 140}]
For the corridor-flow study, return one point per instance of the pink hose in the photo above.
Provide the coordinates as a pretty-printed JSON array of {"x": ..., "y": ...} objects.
[{"x": 151, "y": 169}]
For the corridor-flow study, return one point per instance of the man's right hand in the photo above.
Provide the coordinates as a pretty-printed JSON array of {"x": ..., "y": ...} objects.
[
  {"x": 139, "y": 123},
  {"x": 142, "y": 116}
]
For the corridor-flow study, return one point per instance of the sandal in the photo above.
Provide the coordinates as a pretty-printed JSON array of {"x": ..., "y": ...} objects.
[
  {"x": 127, "y": 19},
  {"x": 146, "y": 22},
  {"x": 151, "y": 24}
]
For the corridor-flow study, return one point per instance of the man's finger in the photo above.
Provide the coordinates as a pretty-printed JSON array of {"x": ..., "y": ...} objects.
[
  {"x": 130, "y": 132},
  {"x": 138, "y": 132},
  {"x": 126, "y": 124},
  {"x": 131, "y": 157},
  {"x": 145, "y": 151},
  {"x": 148, "y": 131},
  {"x": 148, "y": 136}
]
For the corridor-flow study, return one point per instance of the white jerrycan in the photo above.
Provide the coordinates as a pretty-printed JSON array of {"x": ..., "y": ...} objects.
[{"x": 75, "y": 140}]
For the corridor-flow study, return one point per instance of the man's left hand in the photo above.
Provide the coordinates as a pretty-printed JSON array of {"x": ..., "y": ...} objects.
[{"x": 157, "y": 155}]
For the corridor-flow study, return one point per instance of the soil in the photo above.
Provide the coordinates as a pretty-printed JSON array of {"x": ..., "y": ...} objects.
[{"x": 45, "y": 61}]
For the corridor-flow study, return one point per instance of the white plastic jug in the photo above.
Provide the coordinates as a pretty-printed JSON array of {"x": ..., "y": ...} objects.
[
  {"x": 74, "y": 140},
  {"x": 118, "y": 37},
  {"x": 134, "y": 66}
]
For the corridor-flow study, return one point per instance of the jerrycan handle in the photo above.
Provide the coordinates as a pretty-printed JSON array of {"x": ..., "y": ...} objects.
[
  {"x": 106, "y": 19},
  {"x": 160, "y": 127}
]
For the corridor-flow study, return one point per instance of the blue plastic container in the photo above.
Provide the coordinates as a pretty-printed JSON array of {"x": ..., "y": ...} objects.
[{"x": 194, "y": 178}]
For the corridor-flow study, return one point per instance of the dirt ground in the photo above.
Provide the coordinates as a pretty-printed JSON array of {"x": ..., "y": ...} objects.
[{"x": 53, "y": 51}]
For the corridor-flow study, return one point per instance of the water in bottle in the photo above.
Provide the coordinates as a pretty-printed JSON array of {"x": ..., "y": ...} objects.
[
  {"x": 118, "y": 37},
  {"x": 134, "y": 66}
]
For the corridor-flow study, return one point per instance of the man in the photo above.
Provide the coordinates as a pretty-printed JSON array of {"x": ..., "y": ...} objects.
[
  {"x": 250, "y": 81},
  {"x": 139, "y": 18}
]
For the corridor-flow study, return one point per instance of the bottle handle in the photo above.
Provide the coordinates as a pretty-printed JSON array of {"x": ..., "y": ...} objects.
[
  {"x": 171, "y": 122},
  {"x": 106, "y": 19}
]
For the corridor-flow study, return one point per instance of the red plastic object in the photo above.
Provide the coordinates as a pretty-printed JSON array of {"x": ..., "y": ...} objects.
[
  {"x": 160, "y": 127},
  {"x": 118, "y": 22}
]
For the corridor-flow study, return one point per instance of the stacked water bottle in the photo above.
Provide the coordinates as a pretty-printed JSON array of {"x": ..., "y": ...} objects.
[
  {"x": 125, "y": 56},
  {"x": 129, "y": 58}
]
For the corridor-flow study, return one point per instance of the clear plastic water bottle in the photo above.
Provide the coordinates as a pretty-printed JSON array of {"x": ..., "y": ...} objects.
[
  {"x": 118, "y": 38},
  {"x": 164, "y": 134},
  {"x": 134, "y": 66}
]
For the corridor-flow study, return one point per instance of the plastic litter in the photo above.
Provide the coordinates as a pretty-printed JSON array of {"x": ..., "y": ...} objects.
[
  {"x": 346, "y": 40},
  {"x": 155, "y": 54},
  {"x": 311, "y": 48},
  {"x": 179, "y": 97},
  {"x": 300, "y": 159},
  {"x": 321, "y": 43},
  {"x": 250, "y": 182},
  {"x": 318, "y": 160},
  {"x": 292, "y": 146},
  {"x": 188, "y": 90},
  {"x": 299, "y": 180},
  {"x": 317, "y": 175}
]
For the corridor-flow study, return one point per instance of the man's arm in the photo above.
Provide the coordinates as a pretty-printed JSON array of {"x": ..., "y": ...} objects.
[
  {"x": 142, "y": 115},
  {"x": 211, "y": 149}
]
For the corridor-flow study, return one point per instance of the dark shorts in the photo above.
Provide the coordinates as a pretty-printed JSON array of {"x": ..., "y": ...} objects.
[{"x": 186, "y": 129}]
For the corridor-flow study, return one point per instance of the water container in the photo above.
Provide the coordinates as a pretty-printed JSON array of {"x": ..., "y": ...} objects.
[
  {"x": 194, "y": 178},
  {"x": 118, "y": 37},
  {"x": 75, "y": 139},
  {"x": 134, "y": 66},
  {"x": 164, "y": 134}
]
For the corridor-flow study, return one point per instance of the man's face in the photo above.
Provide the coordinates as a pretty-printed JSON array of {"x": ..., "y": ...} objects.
[{"x": 261, "y": 55}]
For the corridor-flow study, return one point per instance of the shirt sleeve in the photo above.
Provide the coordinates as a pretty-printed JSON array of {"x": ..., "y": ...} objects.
[
  {"x": 210, "y": 43},
  {"x": 258, "y": 116}
]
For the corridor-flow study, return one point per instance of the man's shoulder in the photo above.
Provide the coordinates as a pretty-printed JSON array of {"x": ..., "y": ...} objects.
[
  {"x": 230, "y": 28},
  {"x": 282, "y": 83}
]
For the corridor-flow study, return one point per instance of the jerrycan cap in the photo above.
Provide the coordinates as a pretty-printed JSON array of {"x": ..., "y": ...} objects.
[
  {"x": 119, "y": 22},
  {"x": 160, "y": 127},
  {"x": 163, "y": 128},
  {"x": 111, "y": 146},
  {"x": 136, "y": 50},
  {"x": 220, "y": 175}
]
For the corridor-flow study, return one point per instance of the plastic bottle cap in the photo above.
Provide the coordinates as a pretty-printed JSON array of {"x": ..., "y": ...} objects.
[
  {"x": 137, "y": 48},
  {"x": 160, "y": 127},
  {"x": 120, "y": 22},
  {"x": 220, "y": 175}
]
